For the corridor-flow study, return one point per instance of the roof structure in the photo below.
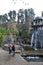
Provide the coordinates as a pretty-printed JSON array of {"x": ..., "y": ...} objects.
[{"x": 38, "y": 18}]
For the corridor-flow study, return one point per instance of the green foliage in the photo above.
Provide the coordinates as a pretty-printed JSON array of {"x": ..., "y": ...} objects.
[
  {"x": 8, "y": 31},
  {"x": 0, "y": 35},
  {"x": 16, "y": 32},
  {"x": 24, "y": 34},
  {"x": 3, "y": 32}
]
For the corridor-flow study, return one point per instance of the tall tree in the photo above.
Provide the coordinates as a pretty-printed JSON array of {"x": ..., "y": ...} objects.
[
  {"x": 42, "y": 13},
  {"x": 31, "y": 13},
  {"x": 14, "y": 15},
  {"x": 26, "y": 14},
  {"x": 21, "y": 16},
  {"x": 3, "y": 19},
  {"x": 0, "y": 18},
  {"x": 10, "y": 15},
  {"x": 6, "y": 16}
]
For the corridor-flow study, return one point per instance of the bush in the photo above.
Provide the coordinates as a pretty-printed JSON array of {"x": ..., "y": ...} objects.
[
  {"x": 0, "y": 44},
  {"x": 27, "y": 48}
]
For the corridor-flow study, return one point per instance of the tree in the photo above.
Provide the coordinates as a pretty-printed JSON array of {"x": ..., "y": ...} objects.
[
  {"x": 0, "y": 18},
  {"x": 6, "y": 17},
  {"x": 10, "y": 15},
  {"x": 31, "y": 13},
  {"x": 3, "y": 19},
  {"x": 21, "y": 16},
  {"x": 42, "y": 14},
  {"x": 14, "y": 15},
  {"x": 3, "y": 33},
  {"x": 26, "y": 15}
]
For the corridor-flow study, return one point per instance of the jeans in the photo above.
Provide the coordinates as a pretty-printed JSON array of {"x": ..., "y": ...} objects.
[{"x": 13, "y": 53}]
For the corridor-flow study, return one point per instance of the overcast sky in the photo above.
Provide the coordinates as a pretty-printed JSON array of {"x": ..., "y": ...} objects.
[{"x": 7, "y": 5}]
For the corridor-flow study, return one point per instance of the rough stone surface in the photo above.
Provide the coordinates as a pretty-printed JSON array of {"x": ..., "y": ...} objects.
[{"x": 6, "y": 59}]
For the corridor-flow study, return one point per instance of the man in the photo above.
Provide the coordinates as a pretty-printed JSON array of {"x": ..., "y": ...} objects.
[
  {"x": 9, "y": 45},
  {"x": 13, "y": 47},
  {"x": 10, "y": 48}
]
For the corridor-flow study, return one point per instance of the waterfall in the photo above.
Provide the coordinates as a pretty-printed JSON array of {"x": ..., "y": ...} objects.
[
  {"x": 32, "y": 39},
  {"x": 37, "y": 40}
]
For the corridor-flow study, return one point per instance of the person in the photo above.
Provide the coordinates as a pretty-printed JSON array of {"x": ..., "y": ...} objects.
[
  {"x": 10, "y": 48},
  {"x": 9, "y": 41},
  {"x": 13, "y": 48}
]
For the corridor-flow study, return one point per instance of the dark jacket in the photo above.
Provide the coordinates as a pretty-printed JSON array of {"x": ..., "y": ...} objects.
[{"x": 13, "y": 48}]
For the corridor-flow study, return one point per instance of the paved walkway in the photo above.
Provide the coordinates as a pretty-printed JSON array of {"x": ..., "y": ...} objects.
[{"x": 6, "y": 59}]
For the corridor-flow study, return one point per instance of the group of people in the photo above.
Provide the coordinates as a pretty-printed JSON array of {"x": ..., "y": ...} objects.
[{"x": 12, "y": 48}]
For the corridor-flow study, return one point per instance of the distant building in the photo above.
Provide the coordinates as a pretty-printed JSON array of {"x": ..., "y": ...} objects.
[
  {"x": 37, "y": 23},
  {"x": 37, "y": 35}
]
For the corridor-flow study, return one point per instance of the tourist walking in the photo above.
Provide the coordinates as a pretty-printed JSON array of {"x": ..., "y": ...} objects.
[
  {"x": 13, "y": 48},
  {"x": 10, "y": 48},
  {"x": 9, "y": 45}
]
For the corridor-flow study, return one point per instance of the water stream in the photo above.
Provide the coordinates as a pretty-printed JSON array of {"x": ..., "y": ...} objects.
[{"x": 37, "y": 40}]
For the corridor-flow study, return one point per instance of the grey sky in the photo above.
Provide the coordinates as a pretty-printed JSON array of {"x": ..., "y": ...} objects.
[{"x": 7, "y": 5}]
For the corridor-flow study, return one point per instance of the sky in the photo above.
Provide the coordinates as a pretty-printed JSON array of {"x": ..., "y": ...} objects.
[{"x": 7, "y": 5}]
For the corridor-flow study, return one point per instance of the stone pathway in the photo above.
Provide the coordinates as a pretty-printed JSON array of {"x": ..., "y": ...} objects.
[{"x": 6, "y": 59}]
